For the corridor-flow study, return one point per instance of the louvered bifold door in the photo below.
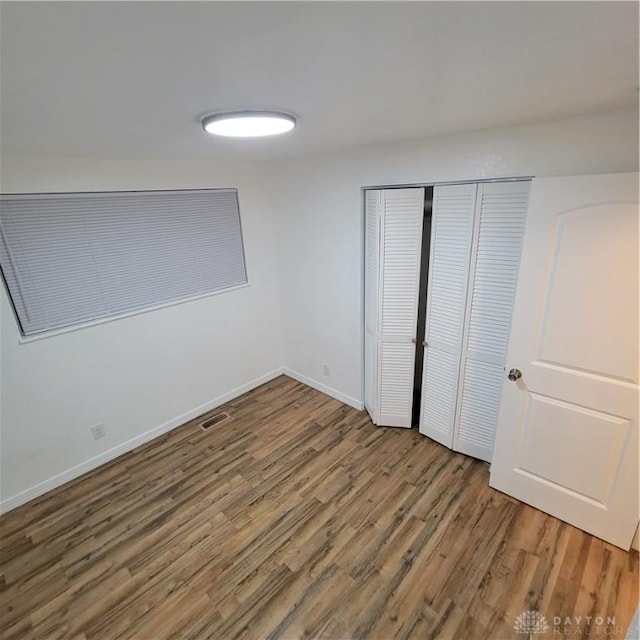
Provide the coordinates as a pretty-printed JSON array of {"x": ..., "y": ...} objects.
[
  {"x": 401, "y": 239},
  {"x": 372, "y": 214},
  {"x": 451, "y": 234},
  {"x": 499, "y": 228}
]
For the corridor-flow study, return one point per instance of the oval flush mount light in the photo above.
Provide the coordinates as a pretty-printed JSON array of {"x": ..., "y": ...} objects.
[{"x": 248, "y": 124}]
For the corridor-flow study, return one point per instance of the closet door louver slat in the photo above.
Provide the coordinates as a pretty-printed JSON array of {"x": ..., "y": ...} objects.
[
  {"x": 453, "y": 212},
  {"x": 373, "y": 203},
  {"x": 499, "y": 230},
  {"x": 401, "y": 237}
]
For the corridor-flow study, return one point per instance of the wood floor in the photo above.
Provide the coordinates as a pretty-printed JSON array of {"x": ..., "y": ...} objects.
[{"x": 297, "y": 518}]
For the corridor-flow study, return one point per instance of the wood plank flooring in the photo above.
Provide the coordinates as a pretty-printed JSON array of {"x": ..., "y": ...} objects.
[{"x": 297, "y": 518}]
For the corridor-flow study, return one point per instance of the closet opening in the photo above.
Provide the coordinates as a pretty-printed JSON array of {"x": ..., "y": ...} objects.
[
  {"x": 441, "y": 266},
  {"x": 422, "y": 305}
]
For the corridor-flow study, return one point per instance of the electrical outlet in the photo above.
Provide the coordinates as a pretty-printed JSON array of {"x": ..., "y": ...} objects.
[
  {"x": 97, "y": 431},
  {"x": 326, "y": 369}
]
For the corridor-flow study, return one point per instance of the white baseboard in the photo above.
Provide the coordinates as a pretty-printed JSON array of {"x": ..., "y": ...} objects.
[
  {"x": 88, "y": 465},
  {"x": 330, "y": 391}
]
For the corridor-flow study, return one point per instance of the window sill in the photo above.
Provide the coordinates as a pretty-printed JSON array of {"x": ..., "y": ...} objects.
[{"x": 92, "y": 323}]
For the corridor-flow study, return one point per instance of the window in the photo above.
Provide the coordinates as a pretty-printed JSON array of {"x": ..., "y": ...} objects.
[{"x": 72, "y": 258}]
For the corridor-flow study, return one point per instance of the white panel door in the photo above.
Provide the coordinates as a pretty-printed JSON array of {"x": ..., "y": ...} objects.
[
  {"x": 372, "y": 214},
  {"x": 499, "y": 226},
  {"x": 399, "y": 276},
  {"x": 567, "y": 436},
  {"x": 451, "y": 233}
]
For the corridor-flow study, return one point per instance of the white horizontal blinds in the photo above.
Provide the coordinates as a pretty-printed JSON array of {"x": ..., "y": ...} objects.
[
  {"x": 373, "y": 200},
  {"x": 28, "y": 240},
  {"x": 451, "y": 233},
  {"x": 74, "y": 258},
  {"x": 494, "y": 273},
  {"x": 401, "y": 238}
]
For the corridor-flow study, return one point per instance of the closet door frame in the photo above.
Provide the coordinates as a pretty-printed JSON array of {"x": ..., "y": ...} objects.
[{"x": 379, "y": 189}]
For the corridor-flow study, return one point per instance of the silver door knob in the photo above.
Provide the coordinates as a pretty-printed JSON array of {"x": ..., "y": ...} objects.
[{"x": 514, "y": 374}]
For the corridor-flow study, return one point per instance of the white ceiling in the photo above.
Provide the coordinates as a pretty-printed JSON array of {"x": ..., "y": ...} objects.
[{"x": 122, "y": 79}]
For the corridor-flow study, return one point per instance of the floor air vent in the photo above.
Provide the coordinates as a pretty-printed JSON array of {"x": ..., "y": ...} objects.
[{"x": 213, "y": 420}]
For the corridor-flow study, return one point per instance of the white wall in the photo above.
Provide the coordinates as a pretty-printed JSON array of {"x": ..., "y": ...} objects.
[
  {"x": 318, "y": 212},
  {"x": 139, "y": 373}
]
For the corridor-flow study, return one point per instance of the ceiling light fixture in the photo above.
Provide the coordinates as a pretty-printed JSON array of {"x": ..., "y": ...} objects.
[{"x": 248, "y": 124}]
